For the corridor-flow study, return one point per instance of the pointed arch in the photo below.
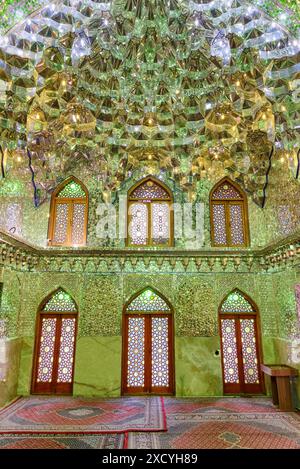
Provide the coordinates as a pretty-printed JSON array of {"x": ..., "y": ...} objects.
[
  {"x": 55, "y": 341},
  {"x": 237, "y": 301},
  {"x": 148, "y": 344},
  {"x": 68, "y": 214},
  {"x": 229, "y": 215},
  {"x": 241, "y": 349},
  {"x": 59, "y": 300},
  {"x": 156, "y": 301},
  {"x": 150, "y": 214},
  {"x": 164, "y": 194}
]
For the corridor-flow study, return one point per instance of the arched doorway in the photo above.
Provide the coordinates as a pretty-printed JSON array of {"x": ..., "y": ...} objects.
[
  {"x": 148, "y": 345},
  {"x": 53, "y": 363},
  {"x": 240, "y": 345}
]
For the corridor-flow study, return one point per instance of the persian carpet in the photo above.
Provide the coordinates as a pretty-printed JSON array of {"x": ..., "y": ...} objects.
[
  {"x": 44, "y": 414},
  {"x": 219, "y": 404},
  {"x": 224, "y": 423},
  {"x": 62, "y": 441}
]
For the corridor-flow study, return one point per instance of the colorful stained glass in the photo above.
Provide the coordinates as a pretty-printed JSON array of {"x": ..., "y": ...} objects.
[
  {"x": 46, "y": 352},
  {"x": 61, "y": 223},
  {"x": 160, "y": 351},
  {"x": 236, "y": 303},
  {"x": 138, "y": 226},
  {"x": 146, "y": 211},
  {"x": 228, "y": 217},
  {"x": 229, "y": 347},
  {"x": 70, "y": 216},
  {"x": 148, "y": 301},
  {"x": 149, "y": 190},
  {"x": 297, "y": 292},
  {"x": 72, "y": 190},
  {"x": 60, "y": 301},
  {"x": 136, "y": 352},
  {"x": 160, "y": 223},
  {"x": 66, "y": 350},
  {"x": 236, "y": 224},
  {"x": 250, "y": 366},
  {"x": 78, "y": 223},
  {"x": 219, "y": 224},
  {"x": 226, "y": 191}
]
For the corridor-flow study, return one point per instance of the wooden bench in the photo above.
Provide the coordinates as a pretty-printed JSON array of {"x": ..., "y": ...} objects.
[{"x": 280, "y": 382}]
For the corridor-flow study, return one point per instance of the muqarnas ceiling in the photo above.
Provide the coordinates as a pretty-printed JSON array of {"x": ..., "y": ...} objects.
[{"x": 196, "y": 89}]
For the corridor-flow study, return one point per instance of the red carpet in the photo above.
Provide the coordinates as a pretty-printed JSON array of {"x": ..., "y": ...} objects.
[
  {"x": 224, "y": 423},
  {"x": 210, "y": 423},
  {"x": 80, "y": 415},
  {"x": 62, "y": 441},
  {"x": 219, "y": 404}
]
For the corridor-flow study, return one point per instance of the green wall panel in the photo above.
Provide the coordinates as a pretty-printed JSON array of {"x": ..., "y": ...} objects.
[{"x": 195, "y": 299}]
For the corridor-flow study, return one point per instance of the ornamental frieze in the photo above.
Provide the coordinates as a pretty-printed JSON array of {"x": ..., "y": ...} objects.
[{"x": 20, "y": 256}]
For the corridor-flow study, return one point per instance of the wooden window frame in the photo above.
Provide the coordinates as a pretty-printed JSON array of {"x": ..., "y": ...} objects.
[
  {"x": 146, "y": 390},
  {"x": 50, "y": 388},
  {"x": 70, "y": 201},
  {"x": 243, "y": 202},
  {"x": 241, "y": 387},
  {"x": 148, "y": 203}
]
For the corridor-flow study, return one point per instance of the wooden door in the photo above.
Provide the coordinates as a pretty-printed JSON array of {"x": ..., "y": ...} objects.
[
  {"x": 148, "y": 354},
  {"x": 53, "y": 368},
  {"x": 240, "y": 354}
]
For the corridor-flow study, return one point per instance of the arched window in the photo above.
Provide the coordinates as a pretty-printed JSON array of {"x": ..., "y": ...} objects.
[
  {"x": 68, "y": 214},
  {"x": 240, "y": 344},
  {"x": 229, "y": 215},
  {"x": 148, "y": 345},
  {"x": 150, "y": 215},
  {"x": 53, "y": 368}
]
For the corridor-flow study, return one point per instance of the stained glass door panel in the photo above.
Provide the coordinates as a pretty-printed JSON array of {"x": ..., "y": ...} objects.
[
  {"x": 240, "y": 354},
  {"x": 138, "y": 226},
  {"x": 219, "y": 224},
  {"x": 78, "y": 224},
  {"x": 250, "y": 354},
  {"x": 60, "y": 235},
  {"x": 160, "y": 374},
  {"x": 231, "y": 374},
  {"x": 54, "y": 354},
  {"x": 236, "y": 220},
  {"x": 136, "y": 353},
  {"x": 160, "y": 223},
  {"x": 147, "y": 355},
  {"x": 48, "y": 330},
  {"x": 66, "y": 346}
]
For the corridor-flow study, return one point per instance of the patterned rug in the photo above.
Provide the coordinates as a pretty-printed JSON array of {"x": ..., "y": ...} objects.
[
  {"x": 217, "y": 404},
  {"x": 252, "y": 423},
  {"x": 62, "y": 441},
  {"x": 44, "y": 414}
]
